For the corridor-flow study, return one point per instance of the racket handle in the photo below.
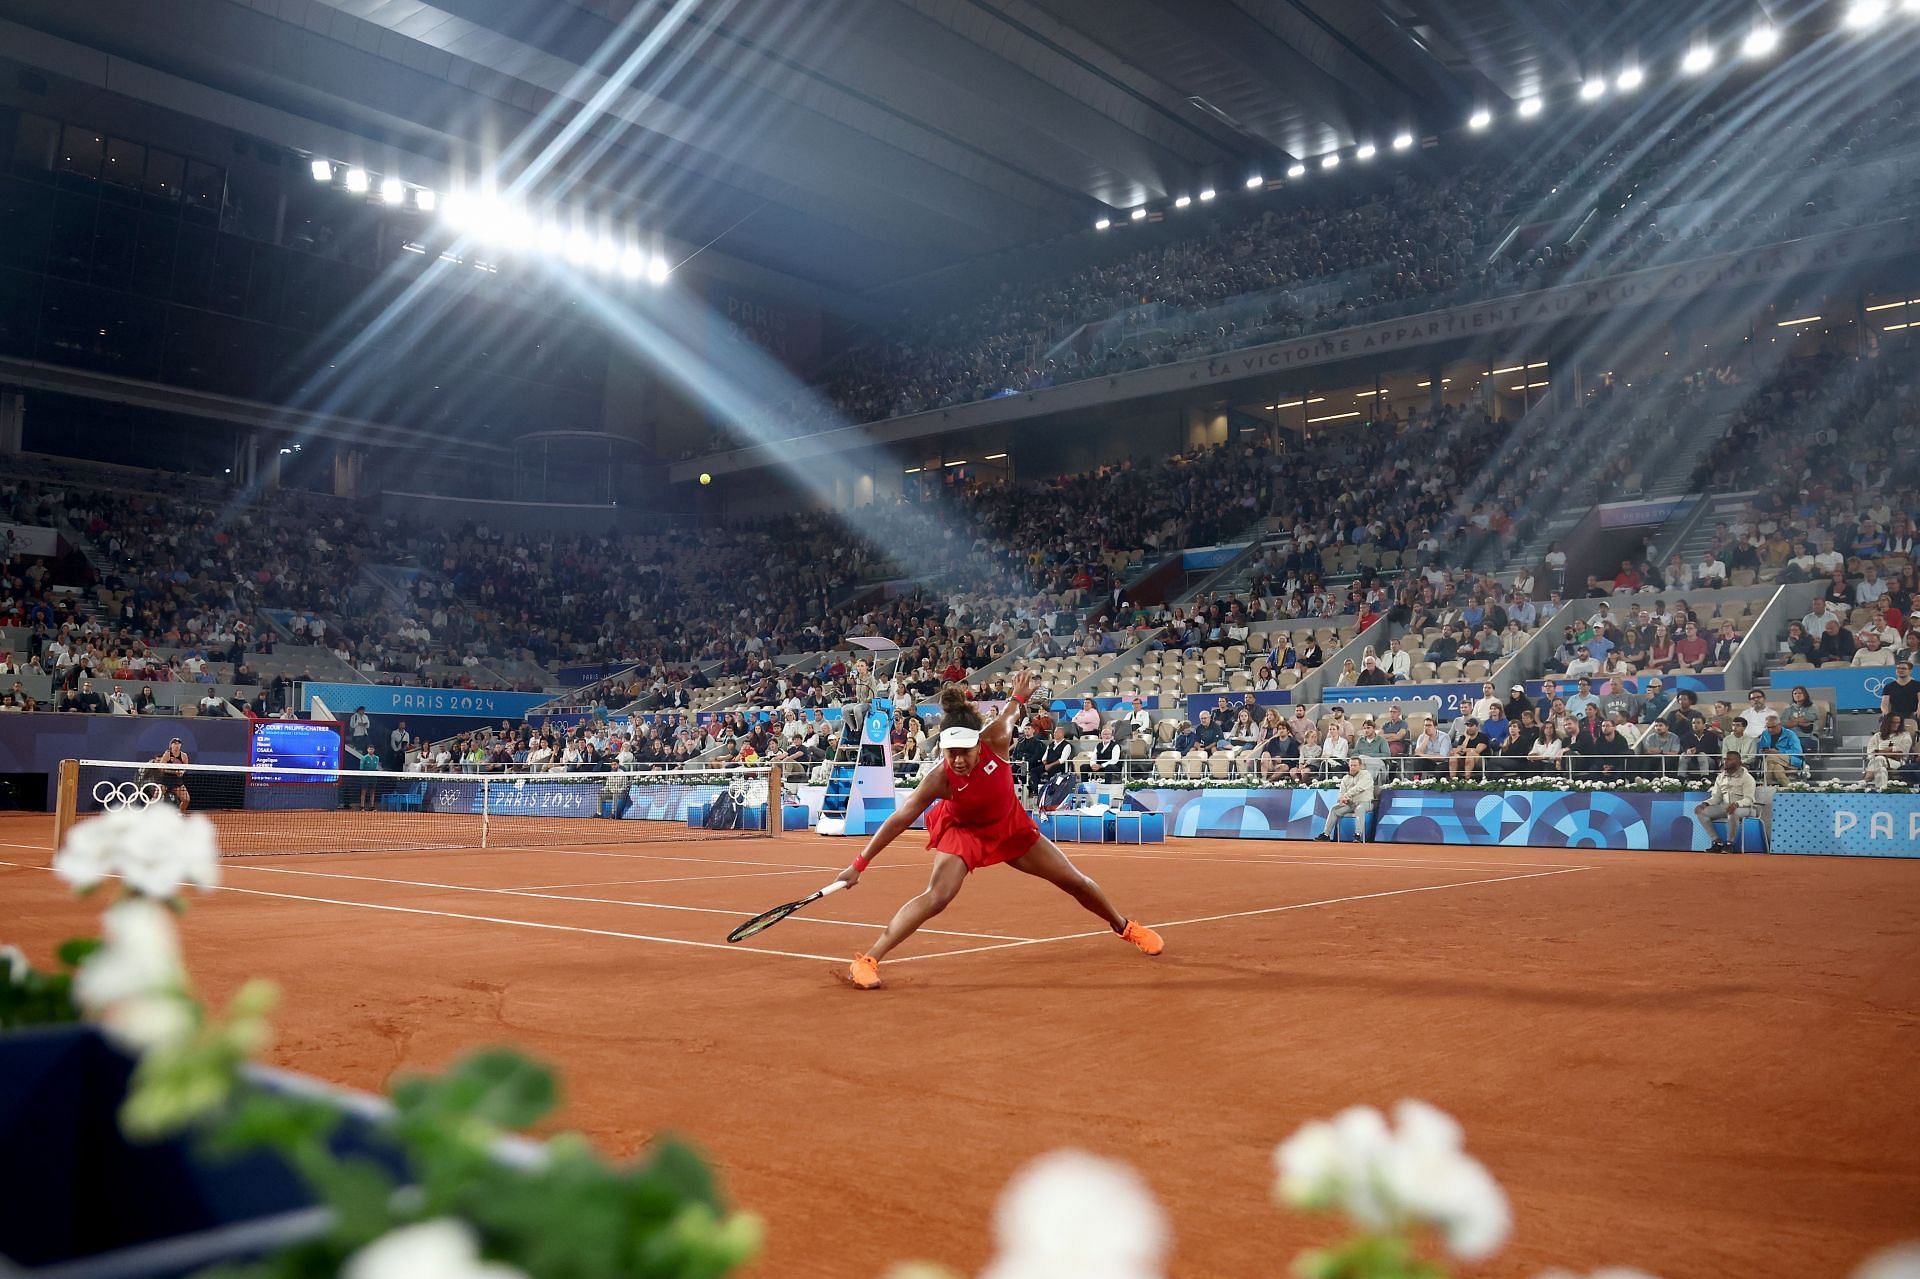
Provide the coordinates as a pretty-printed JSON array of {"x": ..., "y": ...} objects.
[{"x": 834, "y": 887}]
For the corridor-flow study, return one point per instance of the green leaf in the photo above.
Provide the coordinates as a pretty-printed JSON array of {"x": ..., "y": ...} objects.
[
  {"x": 499, "y": 1087},
  {"x": 74, "y": 951}
]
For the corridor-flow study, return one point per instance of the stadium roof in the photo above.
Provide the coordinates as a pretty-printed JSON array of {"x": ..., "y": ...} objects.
[{"x": 855, "y": 142}]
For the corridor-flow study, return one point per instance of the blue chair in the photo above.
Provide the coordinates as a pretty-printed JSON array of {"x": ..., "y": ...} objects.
[
  {"x": 413, "y": 799},
  {"x": 1343, "y": 832},
  {"x": 1750, "y": 838}
]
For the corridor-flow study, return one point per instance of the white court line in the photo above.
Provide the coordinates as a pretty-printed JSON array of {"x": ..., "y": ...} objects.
[
  {"x": 32, "y": 848},
  {"x": 698, "y": 879},
  {"x": 598, "y": 901},
  {"x": 658, "y": 857},
  {"x": 512, "y": 923},
  {"x": 1242, "y": 914}
]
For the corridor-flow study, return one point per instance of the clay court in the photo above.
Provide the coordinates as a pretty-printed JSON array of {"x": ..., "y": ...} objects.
[{"x": 1697, "y": 1065}]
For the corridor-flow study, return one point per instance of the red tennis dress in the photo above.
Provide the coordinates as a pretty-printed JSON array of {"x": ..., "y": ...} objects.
[{"x": 982, "y": 822}]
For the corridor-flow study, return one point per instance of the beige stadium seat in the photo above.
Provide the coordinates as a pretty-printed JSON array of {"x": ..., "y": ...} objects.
[
  {"x": 1449, "y": 672},
  {"x": 1420, "y": 672},
  {"x": 1194, "y": 765},
  {"x": 1239, "y": 682},
  {"x": 1478, "y": 668},
  {"x": 1136, "y": 748},
  {"x": 1220, "y": 766},
  {"x": 1287, "y": 679},
  {"x": 1167, "y": 764},
  {"x": 1166, "y": 730}
]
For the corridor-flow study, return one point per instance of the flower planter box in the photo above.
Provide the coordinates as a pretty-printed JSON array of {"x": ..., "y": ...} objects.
[{"x": 80, "y": 1201}]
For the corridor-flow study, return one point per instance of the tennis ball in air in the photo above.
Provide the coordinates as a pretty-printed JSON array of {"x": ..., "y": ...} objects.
[{"x": 705, "y": 478}]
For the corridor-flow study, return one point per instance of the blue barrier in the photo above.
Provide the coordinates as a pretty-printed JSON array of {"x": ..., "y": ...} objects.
[
  {"x": 1547, "y": 819},
  {"x": 1846, "y": 825},
  {"x": 1855, "y": 688}
]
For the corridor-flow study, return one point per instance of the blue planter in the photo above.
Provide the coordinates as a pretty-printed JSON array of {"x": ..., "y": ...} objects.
[{"x": 79, "y": 1200}]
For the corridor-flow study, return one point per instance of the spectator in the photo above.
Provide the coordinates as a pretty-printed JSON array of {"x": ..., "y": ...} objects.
[
  {"x": 1888, "y": 751},
  {"x": 1354, "y": 799},
  {"x": 1470, "y": 745},
  {"x": 1731, "y": 797},
  {"x": 1779, "y": 749}
]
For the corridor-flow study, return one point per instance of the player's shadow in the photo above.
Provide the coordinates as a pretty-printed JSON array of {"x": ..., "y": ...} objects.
[{"x": 1191, "y": 974}]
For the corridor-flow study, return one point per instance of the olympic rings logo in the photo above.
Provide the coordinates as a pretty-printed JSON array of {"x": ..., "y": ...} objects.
[{"x": 116, "y": 795}]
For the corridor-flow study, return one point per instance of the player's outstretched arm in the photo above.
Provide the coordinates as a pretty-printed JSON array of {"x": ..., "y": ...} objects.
[
  {"x": 933, "y": 786},
  {"x": 999, "y": 733}
]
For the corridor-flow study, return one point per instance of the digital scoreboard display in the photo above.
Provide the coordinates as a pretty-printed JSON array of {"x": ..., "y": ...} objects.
[{"x": 278, "y": 744}]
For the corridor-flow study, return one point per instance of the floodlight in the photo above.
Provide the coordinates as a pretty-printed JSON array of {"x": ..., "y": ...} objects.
[
  {"x": 1630, "y": 79},
  {"x": 1862, "y": 14},
  {"x": 1699, "y": 58},
  {"x": 1760, "y": 41},
  {"x": 322, "y": 170},
  {"x": 357, "y": 180}
]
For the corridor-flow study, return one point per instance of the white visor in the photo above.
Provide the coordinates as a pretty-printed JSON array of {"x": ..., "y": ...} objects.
[{"x": 958, "y": 739}]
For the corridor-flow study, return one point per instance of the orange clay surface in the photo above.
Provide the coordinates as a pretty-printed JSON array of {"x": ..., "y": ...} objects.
[{"x": 1702, "y": 1066}]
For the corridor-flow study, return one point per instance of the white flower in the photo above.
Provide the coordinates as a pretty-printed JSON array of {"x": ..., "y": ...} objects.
[
  {"x": 144, "y": 1023},
  {"x": 1432, "y": 1179},
  {"x": 156, "y": 849},
  {"x": 15, "y": 960},
  {"x": 1900, "y": 1262},
  {"x": 439, "y": 1249},
  {"x": 1070, "y": 1215},
  {"x": 135, "y": 983},
  {"x": 1386, "y": 1179}
]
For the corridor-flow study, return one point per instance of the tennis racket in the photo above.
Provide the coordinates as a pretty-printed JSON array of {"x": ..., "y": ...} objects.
[{"x": 768, "y": 918}]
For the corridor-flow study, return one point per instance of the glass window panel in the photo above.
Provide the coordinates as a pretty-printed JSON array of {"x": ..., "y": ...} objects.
[
  {"x": 82, "y": 151},
  {"x": 166, "y": 175},
  {"x": 36, "y": 143},
  {"x": 126, "y": 163}
]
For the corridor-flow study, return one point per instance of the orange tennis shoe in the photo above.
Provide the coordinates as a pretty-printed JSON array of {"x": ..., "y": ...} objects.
[
  {"x": 864, "y": 972},
  {"x": 1145, "y": 938}
]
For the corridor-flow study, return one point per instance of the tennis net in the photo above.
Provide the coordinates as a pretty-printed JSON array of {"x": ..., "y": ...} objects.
[{"x": 262, "y": 811}]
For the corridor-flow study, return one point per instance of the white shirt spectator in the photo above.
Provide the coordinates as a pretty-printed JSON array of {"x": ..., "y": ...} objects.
[
  {"x": 1583, "y": 667},
  {"x": 212, "y": 704},
  {"x": 119, "y": 703},
  {"x": 1869, "y": 590}
]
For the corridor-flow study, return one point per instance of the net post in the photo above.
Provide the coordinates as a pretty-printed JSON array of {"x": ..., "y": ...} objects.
[
  {"x": 776, "y": 811},
  {"x": 66, "y": 800},
  {"x": 486, "y": 802}
]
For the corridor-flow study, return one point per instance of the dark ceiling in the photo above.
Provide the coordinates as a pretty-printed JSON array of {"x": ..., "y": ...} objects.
[{"x": 855, "y": 142}]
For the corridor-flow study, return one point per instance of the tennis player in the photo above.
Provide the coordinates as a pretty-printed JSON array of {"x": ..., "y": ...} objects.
[
  {"x": 173, "y": 781},
  {"x": 979, "y": 822}
]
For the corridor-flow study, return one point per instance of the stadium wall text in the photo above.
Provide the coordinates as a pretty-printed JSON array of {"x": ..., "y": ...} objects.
[
  {"x": 401, "y": 699},
  {"x": 1846, "y": 825}
]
